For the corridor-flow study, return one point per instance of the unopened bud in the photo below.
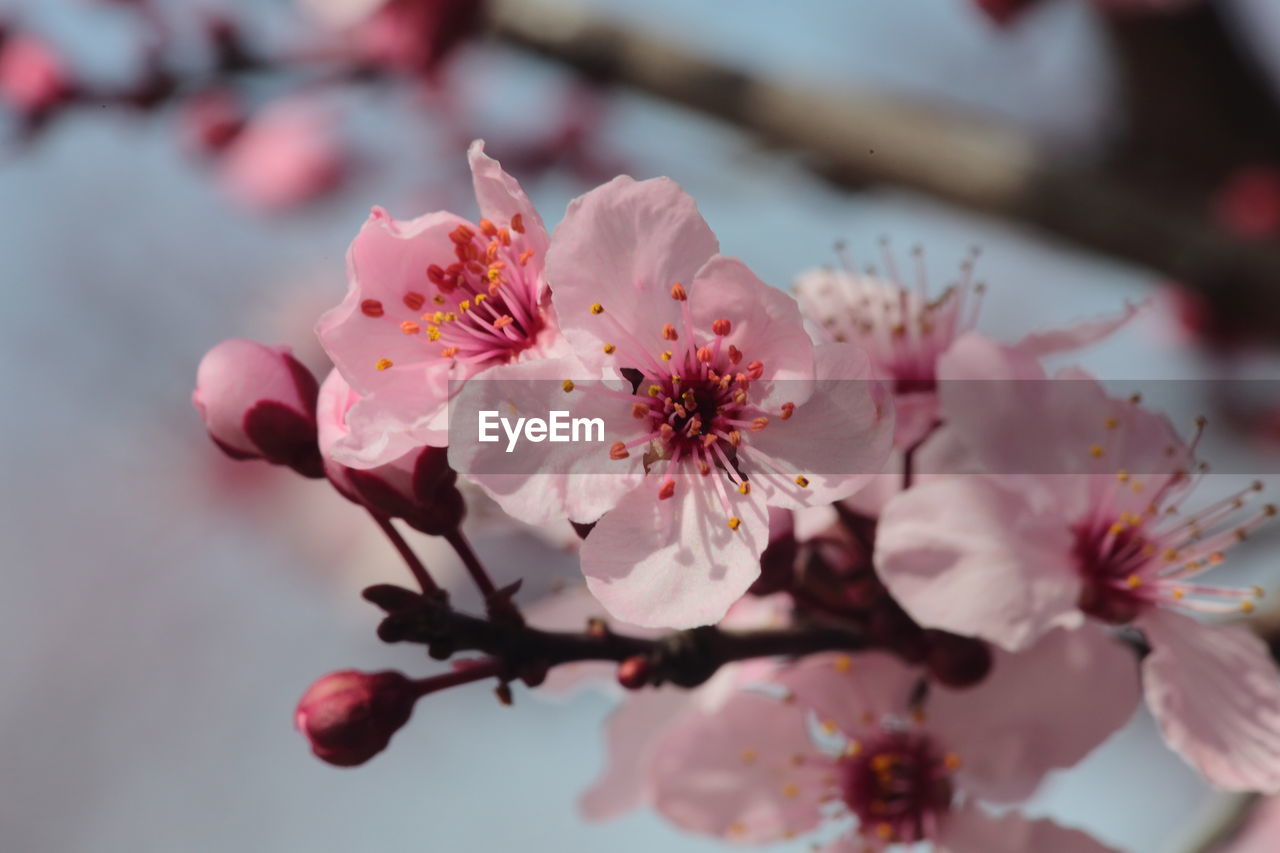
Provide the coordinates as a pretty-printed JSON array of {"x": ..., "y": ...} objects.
[
  {"x": 350, "y": 716},
  {"x": 634, "y": 672},
  {"x": 259, "y": 402},
  {"x": 33, "y": 78}
]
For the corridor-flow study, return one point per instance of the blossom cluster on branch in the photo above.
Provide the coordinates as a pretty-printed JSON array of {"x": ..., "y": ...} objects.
[{"x": 867, "y": 570}]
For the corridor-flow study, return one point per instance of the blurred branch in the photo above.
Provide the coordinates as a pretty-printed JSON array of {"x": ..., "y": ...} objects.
[{"x": 853, "y": 138}]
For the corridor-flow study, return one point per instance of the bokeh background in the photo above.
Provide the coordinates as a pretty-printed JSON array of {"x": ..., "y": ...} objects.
[{"x": 163, "y": 607}]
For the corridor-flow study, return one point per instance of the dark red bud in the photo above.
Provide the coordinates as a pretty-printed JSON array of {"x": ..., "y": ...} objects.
[
  {"x": 350, "y": 716},
  {"x": 634, "y": 672}
]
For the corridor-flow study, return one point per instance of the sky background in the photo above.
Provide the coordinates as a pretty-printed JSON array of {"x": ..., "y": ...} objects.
[{"x": 164, "y": 608}]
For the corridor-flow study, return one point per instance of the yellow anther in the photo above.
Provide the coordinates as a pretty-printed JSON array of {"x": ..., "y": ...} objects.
[
  {"x": 464, "y": 306},
  {"x": 597, "y": 308},
  {"x": 383, "y": 363},
  {"x": 655, "y": 390},
  {"x": 1179, "y": 593},
  {"x": 829, "y": 727},
  {"x": 1246, "y": 606},
  {"x": 842, "y": 663},
  {"x": 609, "y": 349},
  {"x": 791, "y": 790},
  {"x": 1111, "y": 423},
  {"x": 438, "y": 299},
  {"x": 748, "y": 755},
  {"x": 433, "y": 333},
  {"x": 884, "y": 831},
  {"x": 567, "y": 385},
  {"x": 802, "y": 481},
  {"x": 481, "y": 297},
  {"x": 1122, "y": 476},
  {"x": 734, "y": 522},
  {"x": 853, "y": 748},
  {"x": 1133, "y": 581},
  {"x": 1095, "y": 450},
  {"x": 951, "y": 761},
  {"x": 666, "y": 355},
  {"x": 744, "y": 488}
]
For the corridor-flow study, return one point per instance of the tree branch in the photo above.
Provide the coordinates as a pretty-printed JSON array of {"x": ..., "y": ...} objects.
[{"x": 684, "y": 658}]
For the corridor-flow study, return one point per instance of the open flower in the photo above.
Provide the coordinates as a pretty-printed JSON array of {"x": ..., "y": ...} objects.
[
  {"x": 1081, "y": 519},
  {"x": 434, "y": 300},
  {"x": 836, "y": 739},
  {"x": 906, "y": 330},
  {"x": 715, "y": 404}
]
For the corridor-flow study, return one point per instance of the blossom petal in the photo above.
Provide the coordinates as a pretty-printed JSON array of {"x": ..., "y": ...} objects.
[
  {"x": 971, "y": 830},
  {"x": 386, "y": 263},
  {"x": 410, "y": 409},
  {"x": 838, "y": 440},
  {"x": 547, "y": 480},
  {"x": 675, "y": 563},
  {"x": 631, "y": 732},
  {"x": 624, "y": 245},
  {"x": 970, "y": 557},
  {"x": 851, "y": 692},
  {"x": 501, "y": 200},
  {"x": 1082, "y": 334},
  {"x": 748, "y": 772},
  {"x": 1215, "y": 691},
  {"x": 1038, "y": 710}
]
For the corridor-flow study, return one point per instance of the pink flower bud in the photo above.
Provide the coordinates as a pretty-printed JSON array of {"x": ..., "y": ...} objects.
[
  {"x": 33, "y": 78},
  {"x": 286, "y": 156},
  {"x": 350, "y": 716},
  {"x": 418, "y": 486},
  {"x": 407, "y": 36},
  {"x": 259, "y": 402}
]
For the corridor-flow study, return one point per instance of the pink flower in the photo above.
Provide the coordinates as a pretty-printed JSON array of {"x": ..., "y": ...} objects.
[
  {"x": 717, "y": 407},
  {"x": 1081, "y": 520},
  {"x": 33, "y": 77},
  {"x": 418, "y": 487},
  {"x": 259, "y": 402},
  {"x": 412, "y": 36},
  {"x": 284, "y": 157},
  {"x": 835, "y": 740},
  {"x": 431, "y": 301},
  {"x": 906, "y": 331}
]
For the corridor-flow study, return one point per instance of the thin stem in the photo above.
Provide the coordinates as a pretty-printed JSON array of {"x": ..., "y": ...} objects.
[
  {"x": 420, "y": 573},
  {"x": 473, "y": 671},
  {"x": 469, "y": 559}
]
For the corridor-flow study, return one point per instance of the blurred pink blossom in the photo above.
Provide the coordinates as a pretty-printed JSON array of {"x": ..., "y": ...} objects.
[
  {"x": 286, "y": 156},
  {"x": 33, "y": 77},
  {"x": 408, "y": 36}
]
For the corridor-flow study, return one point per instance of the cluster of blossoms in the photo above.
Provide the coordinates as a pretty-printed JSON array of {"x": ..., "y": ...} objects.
[{"x": 904, "y": 570}]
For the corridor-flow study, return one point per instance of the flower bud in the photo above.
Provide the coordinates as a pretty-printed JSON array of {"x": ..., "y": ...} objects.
[
  {"x": 634, "y": 672},
  {"x": 259, "y": 402},
  {"x": 350, "y": 716},
  {"x": 418, "y": 487}
]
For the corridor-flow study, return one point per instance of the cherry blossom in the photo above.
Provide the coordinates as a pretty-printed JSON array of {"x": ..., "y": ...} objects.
[
  {"x": 841, "y": 741},
  {"x": 716, "y": 406},
  {"x": 434, "y": 300},
  {"x": 1082, "y": 519}
]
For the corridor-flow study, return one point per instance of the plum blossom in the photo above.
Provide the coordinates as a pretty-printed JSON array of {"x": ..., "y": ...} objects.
[
  {"x": 841, "y": 741},
  {"x": 716, "y": 406},
  {"x": 434, "y": 300},
  {"x": 1081, "y": 519},
  {"x": 906, "y": 329},
  {"x": 409, "y": 36}
]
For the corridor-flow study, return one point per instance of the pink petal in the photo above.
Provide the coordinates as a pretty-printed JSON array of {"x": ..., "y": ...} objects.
[
  {"x": 545, "y": 481},
  {"x": 971, "y": 830},
  {"x": 839, "y": 439},
  {"x": 748, "y": 772},
  {"x": 1039, "y": 710},
  {"x": 501, "y": 199},
  {"x": 851, "y": 692},
  {"x": 387, "y": 261},
  {"x": 624, "y": 245},
  {"x": 766, "y": 323},
  {"x": 675, "y": 563},
  {"x": 1082, "y": 334},
  {"x": 410, "y": 409},
  {"x": 1215, "y": 692},
  {"x": 631, "y": 732},
  {"x": 970, "y": 557}
]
